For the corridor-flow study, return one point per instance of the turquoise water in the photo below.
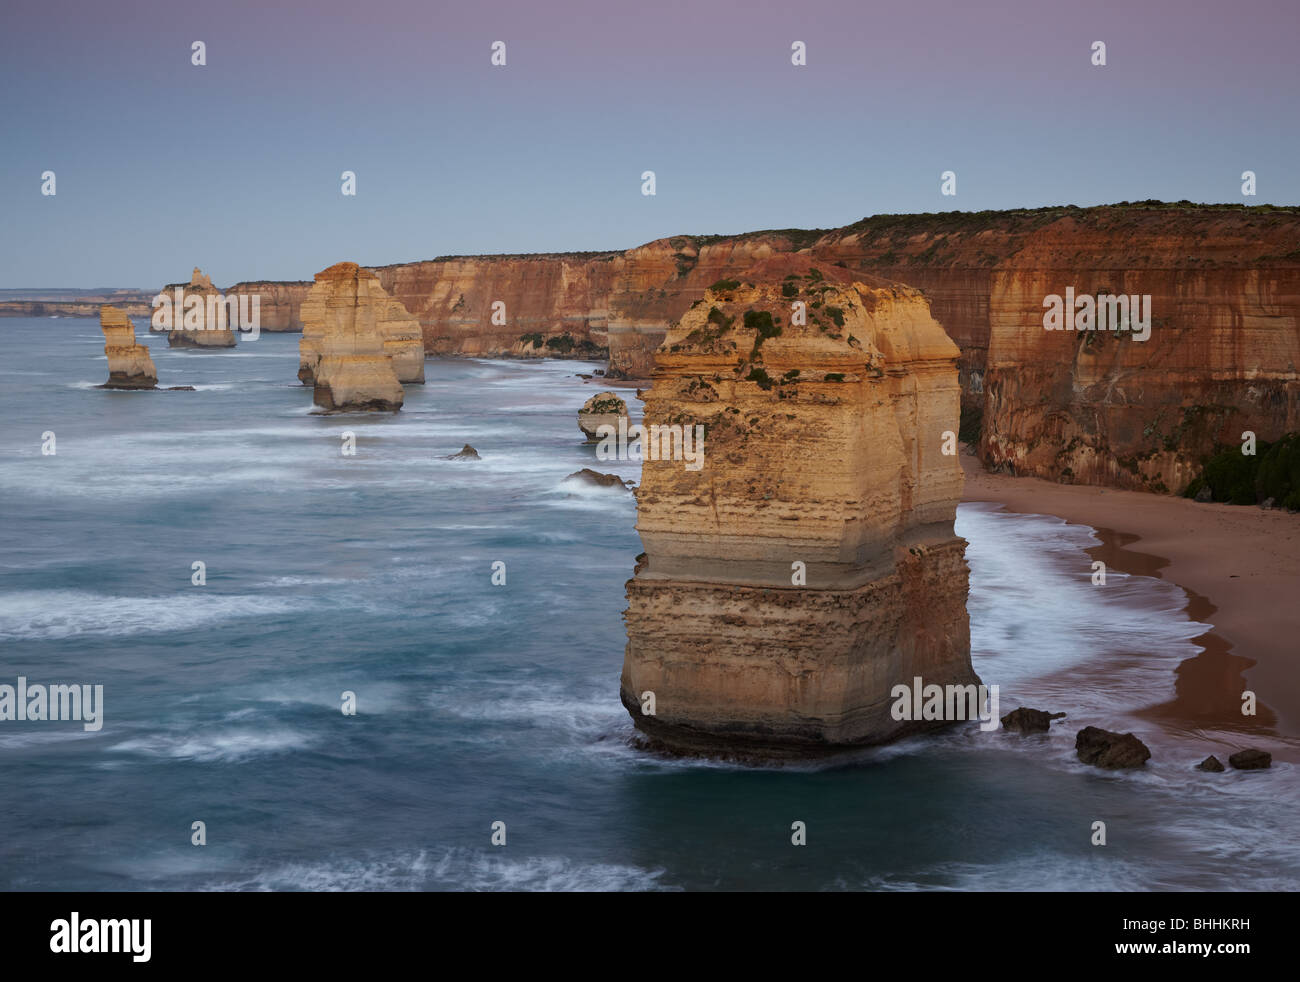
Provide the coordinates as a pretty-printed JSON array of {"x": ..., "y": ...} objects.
[{"x": 480, "y": 703}]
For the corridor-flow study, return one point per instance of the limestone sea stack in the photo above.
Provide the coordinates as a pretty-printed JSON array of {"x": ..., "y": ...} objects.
[
  {"x": 604, "y": 408},
  {"x": 350, "y": 365},
  {"x": 200, "y": 325},
  {"x": 129, "y": 363},
  {"x": 807, "y": 564},
  {"x": 400, "y": 332}
]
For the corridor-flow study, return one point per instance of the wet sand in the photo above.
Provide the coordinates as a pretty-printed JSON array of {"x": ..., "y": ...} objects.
[{"x": 1240, "y": 567}]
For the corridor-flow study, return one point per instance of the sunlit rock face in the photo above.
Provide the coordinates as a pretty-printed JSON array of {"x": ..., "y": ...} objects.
[
  {"x": 378, "y": 314},
  {"x": 129, "y": 363},
  {"x": 203, "y": 324},
  {"x": 344, "y": 344},
  {"x": 807, "y": 563}
]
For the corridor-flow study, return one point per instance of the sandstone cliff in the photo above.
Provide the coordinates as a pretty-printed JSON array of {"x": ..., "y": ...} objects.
[
  {"x": 381, "y": 314},
  {"x": 1224, "y": 283},
  {"x": 281, "y": 302},
  {"x": 809, "y": 565},
  {"x": 345, "y": 344},
  {"x": 129, "y": 363},
  {"x": 196, "y": 322}
]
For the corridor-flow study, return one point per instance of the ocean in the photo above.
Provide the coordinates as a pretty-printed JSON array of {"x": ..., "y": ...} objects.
[{"x": 480, "y": 703}]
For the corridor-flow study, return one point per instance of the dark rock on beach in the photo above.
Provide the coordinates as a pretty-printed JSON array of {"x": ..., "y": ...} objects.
[
  {"x": 1111, "y": 751},
  {"x": 1210, "y": 763},
  {"x": 1251, "y": 760},
  {"x": 1026, "y": 720}
]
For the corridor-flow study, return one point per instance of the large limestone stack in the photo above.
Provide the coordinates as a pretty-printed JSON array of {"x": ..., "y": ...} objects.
[
  {"x": 129, "y": 363},
  {"x": 399, "y": 331},
  {"x": 204, "y": 326},
  {"x": 344, "y": 331},
  {"x": 823, "y": 448}
]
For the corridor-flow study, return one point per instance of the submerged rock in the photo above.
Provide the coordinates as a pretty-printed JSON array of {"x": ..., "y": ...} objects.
[
  {"x": 602, "y": 409},
  {"x": 1210, "y": 763},
  {"x": 466, "y": 453},
  {"x": 1251, "y": 760},
  {"x": 1111, "y": 751},
  {"x": 1026, "y": 720},
  {"x": 801, "y": 561},
  {"x": 130, "y": 365}
]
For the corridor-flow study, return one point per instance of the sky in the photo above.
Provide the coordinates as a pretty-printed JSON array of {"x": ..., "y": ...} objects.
[{"x": 235, "y": 165}]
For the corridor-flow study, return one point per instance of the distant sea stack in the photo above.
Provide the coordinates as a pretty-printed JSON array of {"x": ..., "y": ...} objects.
[
  {"x": 379, "y": 314},
  {"x": 129, "y": 363},
  {"x": 198, "y": 325},
  {"x": 344, "y": 344},
  {"x": 809, "y": 564},
  {"x": 602, "y": 409}
]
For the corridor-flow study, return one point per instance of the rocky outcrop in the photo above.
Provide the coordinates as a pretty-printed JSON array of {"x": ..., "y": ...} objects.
[
  {"x": 1211, "y": 764},
  {"x": 602, "y": 409},
  {"x": 596, "y": 479},
  {"x": 466, "y": 453},
  {"x": 1110, "y": 751},
  {"x": 1026, "y": 720},
  {"x": 280, "y": 305},
  {"x": 1251, "y": 760},
  {"x": 351, "y": 366},
  {"x": 380, "y": 314},
  {"x": 196, "y": 321},
  {"x": 806, "y": 563},
  {"x": 129, "y": 363}
]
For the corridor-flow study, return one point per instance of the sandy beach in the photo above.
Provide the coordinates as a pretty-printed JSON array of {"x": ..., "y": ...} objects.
[{"x": 1241, "y": 569}]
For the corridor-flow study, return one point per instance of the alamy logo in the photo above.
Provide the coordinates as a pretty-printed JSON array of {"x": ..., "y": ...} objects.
[
  {"x": 207, "y": 312},
  {"x": 946, "y": 702},
  {"x": 106, "y": 935},
  {"x": 653, "y": 442},
  {"x": 1104, "y": 312},
  {"x": 54, "y": 703}
]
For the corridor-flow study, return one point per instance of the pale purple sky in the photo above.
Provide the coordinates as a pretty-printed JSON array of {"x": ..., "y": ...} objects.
[{"x": 235, "y": 166}]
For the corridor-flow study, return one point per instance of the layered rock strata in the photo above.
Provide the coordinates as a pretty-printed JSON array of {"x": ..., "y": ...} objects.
[
  {"x": 602, "y": 409},
  {"x": 352, "y": 367},
  {"x": 1091, "y": 407},
  {"x": 197, "y": 321},
  {"x": 129, "y": 364},
  {"x": 382, "y": 315},
  {"x": 280, "y": 303},
  {"x": 808, "y": 564}
]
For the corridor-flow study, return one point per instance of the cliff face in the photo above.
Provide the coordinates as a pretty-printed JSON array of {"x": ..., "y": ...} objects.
[
  {"x": 344, "y": 343},
  {"x": 129, "y": 363},
  {"x": 281, "y": 303},
  {"x": 377, "y": 313},
  {"x": 809, "y": 563},
  {"x": 1103, "y": 407},
  {"x": 1222, "y": 358},
  {"x": 520, "y": 306}
]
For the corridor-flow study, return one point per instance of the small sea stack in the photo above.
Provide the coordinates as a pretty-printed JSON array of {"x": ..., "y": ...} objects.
[
  {"x": 343, "y": 344},
  {"x": 383, "y": 316},
  {"x": 200, "y": 318},
  {"x": 129, "y": 364},
  {"x": 800, "y": 560},
  {"x": 602, "y": 409}
]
